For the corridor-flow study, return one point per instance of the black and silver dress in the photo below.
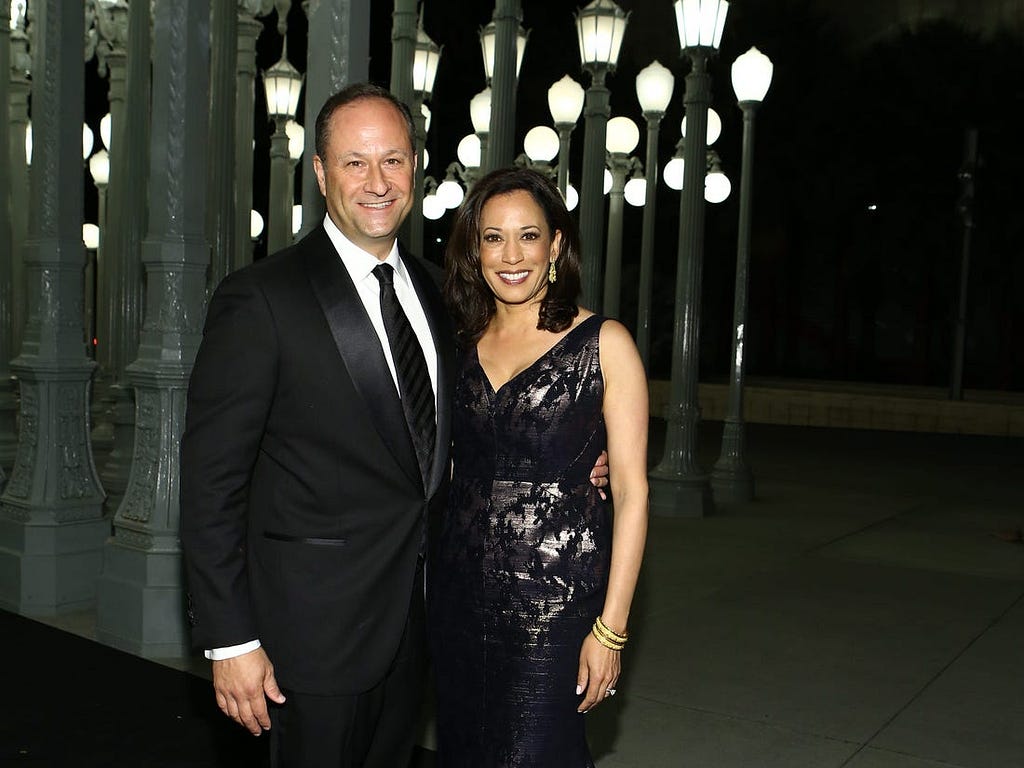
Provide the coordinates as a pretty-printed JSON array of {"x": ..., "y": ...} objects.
[{"x": 520, "y": 568}]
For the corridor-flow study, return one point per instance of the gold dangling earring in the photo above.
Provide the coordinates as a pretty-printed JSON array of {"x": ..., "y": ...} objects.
[{"x": 552, "y": 274}]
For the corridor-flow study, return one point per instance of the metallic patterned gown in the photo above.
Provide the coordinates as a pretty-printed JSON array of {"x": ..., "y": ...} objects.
[{"x": 520, "y": 568}]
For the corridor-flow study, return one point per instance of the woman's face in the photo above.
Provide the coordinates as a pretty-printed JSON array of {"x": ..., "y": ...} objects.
[{"x": 516, "y": 247}]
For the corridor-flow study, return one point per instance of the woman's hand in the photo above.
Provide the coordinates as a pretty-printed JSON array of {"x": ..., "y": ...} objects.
[{"x": 598, "y": 673}]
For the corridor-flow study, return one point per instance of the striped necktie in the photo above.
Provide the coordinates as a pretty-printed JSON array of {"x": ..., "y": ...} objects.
[{"x": 413, "y": 379}]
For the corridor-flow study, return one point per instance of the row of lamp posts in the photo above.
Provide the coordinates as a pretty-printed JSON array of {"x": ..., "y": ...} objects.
[{"x": 679, "y": 485}]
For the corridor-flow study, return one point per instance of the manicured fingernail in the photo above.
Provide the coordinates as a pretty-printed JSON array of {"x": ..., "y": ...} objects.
[{"x": 579, "y": 689}]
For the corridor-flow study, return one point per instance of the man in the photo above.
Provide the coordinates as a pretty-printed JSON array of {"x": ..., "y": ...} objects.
[
  {"x": 303, "y": 497},
  {"x": 315, "y": 447}
]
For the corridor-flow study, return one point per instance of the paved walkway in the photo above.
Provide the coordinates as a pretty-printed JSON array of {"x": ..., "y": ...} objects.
[{"x": 860, "y": 612}]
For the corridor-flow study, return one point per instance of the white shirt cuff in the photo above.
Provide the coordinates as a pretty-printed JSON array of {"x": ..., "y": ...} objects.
[{"x": 219, "y": 654}]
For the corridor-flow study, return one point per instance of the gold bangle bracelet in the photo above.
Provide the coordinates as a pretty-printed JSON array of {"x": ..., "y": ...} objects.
[
  {"x": 610, "y": 645},
  {"x": 610, "y": 633}
]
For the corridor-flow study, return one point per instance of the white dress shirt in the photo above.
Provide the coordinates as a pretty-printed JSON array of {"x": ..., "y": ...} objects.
[{"x": 360, "y": 265}]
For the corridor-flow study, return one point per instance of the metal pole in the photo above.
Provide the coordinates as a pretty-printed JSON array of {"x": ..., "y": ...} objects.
[
  {"x": 731, "y": 478},
  {"x": 501, "y": 136},
  {"x": 403, "y": 57},
  {"x": 678, "y": 485},
  {"x": 279, "y": 215},
  {"x": 643, "y": 313},
  {"x": 620, "y": 165},
  {"x": 128, "y": 201},
  {"x": 245, "y": 95},
  {"x": 8, "y": 408},
  {"x": 140, "y": 591},
  {"x": 52, "y": 505},
  {"x": 965, "y": 208},
  {"x": 596, "y": 110},
  {"x": 564, "y": 135},
  {"x": 20, "y": 88},
  {"x": 338, "y": 53},
  {"x": 220, "y": 203}
]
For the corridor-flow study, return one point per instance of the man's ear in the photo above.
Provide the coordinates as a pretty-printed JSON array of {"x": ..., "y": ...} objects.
[{"x": 318, "y": 169}]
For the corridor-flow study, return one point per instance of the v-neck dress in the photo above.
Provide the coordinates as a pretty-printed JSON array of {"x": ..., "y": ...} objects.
[{"x": 520, "y": 568}]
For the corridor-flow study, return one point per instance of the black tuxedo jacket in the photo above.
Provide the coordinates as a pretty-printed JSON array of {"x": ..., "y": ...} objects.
[{"x": 302, "y": 505}]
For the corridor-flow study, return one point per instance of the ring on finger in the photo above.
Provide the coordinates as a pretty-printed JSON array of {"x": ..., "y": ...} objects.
[{"x": 609, "y": 692}]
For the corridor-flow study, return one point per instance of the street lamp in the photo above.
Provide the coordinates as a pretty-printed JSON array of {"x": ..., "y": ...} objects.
[
  {"x": 469, "y": 153},
  {"x": 480, "y": 116},
  {"x": 255, "y": 224},
  {"x": 654, "y": 86},
  {"x": 449, "y": 192},
  {"x": 622, "y": 138},
  {"x": 487, "y": 40},
  {"x": 540, "y": 146},
  {"x": 635, "y": 190},
  {"x": 678, "y": 485},
  {"x": 282, "y": 83},
  {"x": 731, "y": 477},
  {"x": 565, "y": 102},
  {"x": 600, "y": 27},
  {"x": 716, "y": 184}
]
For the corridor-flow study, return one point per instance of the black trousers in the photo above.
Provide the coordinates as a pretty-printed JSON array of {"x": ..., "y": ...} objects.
[{"x": 375, "y": 729}]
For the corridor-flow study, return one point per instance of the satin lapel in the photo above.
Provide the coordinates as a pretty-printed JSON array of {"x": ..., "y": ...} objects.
[
  {"x": 360, "y": 350},
  {"x": 444, "y": 343}
]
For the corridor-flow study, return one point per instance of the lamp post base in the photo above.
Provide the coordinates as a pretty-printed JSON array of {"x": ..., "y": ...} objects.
[
  {"x": 732, "y": 484},
  {"x": 680, "y": 497}
]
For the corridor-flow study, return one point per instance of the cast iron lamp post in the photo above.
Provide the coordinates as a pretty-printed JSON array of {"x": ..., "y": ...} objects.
[
  {"x": 678, "y": 485},
  {"x": 600, "y": 27},
  {"x": 654, "y": 86},
  {"x": 731, "y": 478},
  {"x": 283, "y": 84},
  {"x": 621, "y": 139},
  {"x": 503, "y": 42},
  {"x": 565, "y": 102}
]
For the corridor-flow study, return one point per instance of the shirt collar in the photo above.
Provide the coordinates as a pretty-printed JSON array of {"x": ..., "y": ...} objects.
[{"x": 359, "y": 263}]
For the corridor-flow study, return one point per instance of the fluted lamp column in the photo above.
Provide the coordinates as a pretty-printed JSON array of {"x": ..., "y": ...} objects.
[
  {"x": 565, "y": 102},
  {"x": 282, "y": 83},
  {"x": 732, "y": 479},
  {"x": 654, "y": 86},
  {"x": 8, "y": 406},
  {"x": 679, "y": 487},
  {"x": 500, "y": 40},
  {"x": 600, "y": 27},
  {"x": 622, "y": 138}
]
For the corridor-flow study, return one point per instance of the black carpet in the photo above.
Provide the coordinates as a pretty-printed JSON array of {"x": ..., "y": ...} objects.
[{"x": 68, "y": 701}]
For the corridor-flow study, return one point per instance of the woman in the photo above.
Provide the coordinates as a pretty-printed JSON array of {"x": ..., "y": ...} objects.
[{"x": 531, "y": 580}]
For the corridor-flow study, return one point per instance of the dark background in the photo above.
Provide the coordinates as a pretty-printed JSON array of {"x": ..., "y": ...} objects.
[{"x": 857, "y": 237}]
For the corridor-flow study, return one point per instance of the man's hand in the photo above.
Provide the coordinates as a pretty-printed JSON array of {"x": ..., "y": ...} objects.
[
  {"x": 599, "y": 475},
  {"x": 242, "y": 685}
]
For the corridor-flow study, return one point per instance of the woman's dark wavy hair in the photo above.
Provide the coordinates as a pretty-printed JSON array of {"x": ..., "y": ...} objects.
[{"x": 469, "y": 298}]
